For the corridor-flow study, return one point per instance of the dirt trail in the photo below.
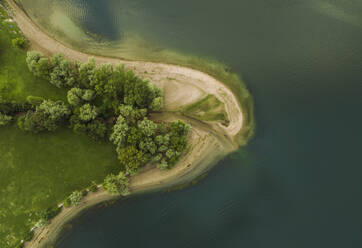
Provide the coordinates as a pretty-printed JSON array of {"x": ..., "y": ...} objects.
[{"x": 182, "y": 86}]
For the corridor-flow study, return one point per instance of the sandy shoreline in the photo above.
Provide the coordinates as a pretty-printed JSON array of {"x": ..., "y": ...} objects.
[{"x": 208, "y": 142}]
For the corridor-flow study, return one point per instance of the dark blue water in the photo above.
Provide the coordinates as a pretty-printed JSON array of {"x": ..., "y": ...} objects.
[{"x": 298, "y": 182}]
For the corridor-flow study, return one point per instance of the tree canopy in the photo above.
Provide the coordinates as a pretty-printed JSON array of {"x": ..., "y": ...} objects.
[{"x": 103, "y": 102}]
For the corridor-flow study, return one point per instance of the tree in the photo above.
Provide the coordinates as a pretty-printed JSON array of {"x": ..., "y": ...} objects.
[
  {"x": 37, "y": 64},
  {"x": 62, "y": 72},
  {"x": 88, "y": 112},
  {"x": 131, "y": 114},
  {"x": 162, "y": 164},
  {"x": 86, "y": 73},
  {"x": 147, "y": 145},
  {"x": 76, "y": 198},
  {"x": 116, "y": 184},
  {"x": 78, "y": 96},
  {"x": 147, "y": 127},
  {"x": 114, "y": 88},
  {"x": 157, "y": 104},
  {"x": 132, "y": 159},
  {"x": 120, "y": 132},
  {"x": 5, "y": 119},
  {"x": 101, "y": 77},
  {"x": 74, "y": 96},
  {"x": 88, "y": 95},
  {"x": 20, "y": 42}
]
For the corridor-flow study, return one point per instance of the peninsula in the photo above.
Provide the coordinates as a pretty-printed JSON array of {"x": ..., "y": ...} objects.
[{"x": 206, "y": 104}]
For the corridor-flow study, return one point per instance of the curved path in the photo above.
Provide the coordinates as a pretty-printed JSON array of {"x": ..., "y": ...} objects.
[{"x": 207, "y": 142}]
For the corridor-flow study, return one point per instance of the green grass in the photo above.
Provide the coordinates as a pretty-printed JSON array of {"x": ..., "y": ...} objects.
[
  {"x": 16, "y": 82},
  {"x": 38, "y": 171},
  {"x": 207, "y": 109}
]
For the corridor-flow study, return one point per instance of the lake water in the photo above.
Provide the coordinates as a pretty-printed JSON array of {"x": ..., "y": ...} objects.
[{"x": 298, "y": 182}]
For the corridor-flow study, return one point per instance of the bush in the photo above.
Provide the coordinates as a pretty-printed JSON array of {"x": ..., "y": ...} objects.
[
  {"x": 5, "y": 119},
  {"x": 20, "y": 42},
  {"x": 116, "y": 184},
  {"x": 67, "y": 203},
  {"x": 28, "y": 236},
  {"x": 93, "y": 187},
  {"x": 48, "y": 116},
  {"x": 75, "y": 198},
  {"x": 34, "y": 100}
]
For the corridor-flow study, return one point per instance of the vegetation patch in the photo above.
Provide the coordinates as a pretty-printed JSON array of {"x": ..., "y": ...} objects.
[
  {"x": 48, "y": 107},
  {"x": 207, "y": 109}
]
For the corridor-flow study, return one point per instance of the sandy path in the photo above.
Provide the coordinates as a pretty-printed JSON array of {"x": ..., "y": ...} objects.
[{"x": 182, "y": 86}]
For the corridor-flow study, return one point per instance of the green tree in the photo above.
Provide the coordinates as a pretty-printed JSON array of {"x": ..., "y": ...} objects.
[
  {"x": 101, "y": 77},
  {"x": 120, "y": 132},
  {"x": 86, "y": 73},
  {"x": 78, "y": 96},
  {"x": 20, "y": 42},
  {"x": 147, "y": 127},
  {"x": 116, "y": 184},
  {"x": 88, "y": 112},
  {"x": 37, "y": 64},
  {"x": 148, "y": 145},
  {"x": 131, "y": 114},
  {"x": 76, "y": 198},
  {"x": 62, "y": 73},
  {"x": 162, "y": 164},
  {"x": 74, "y": 96},
  {"x": 5, "y": 119},
  {"x": 157, "y": 104},
  {"x": 132, "y": 159}
]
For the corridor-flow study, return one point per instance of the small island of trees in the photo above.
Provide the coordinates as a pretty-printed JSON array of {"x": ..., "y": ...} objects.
[{"x": 106, "y": 103}]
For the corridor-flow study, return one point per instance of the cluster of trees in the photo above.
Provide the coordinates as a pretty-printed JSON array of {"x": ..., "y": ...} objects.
[
  {"x": 105, "y": 102},
  {"x": 49, "y": 115},
  {"x": 139, "y": 140},
  {"x": 97, "y": 94}
]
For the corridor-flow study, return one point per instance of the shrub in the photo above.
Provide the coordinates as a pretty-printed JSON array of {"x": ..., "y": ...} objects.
[
  {"x": 93, "y": 187},
  {"x": 28, "y": 236},
  {"x": 116, "y": 184},
  {"x": 5, "y": 119},
  {"x": 48, "y": 116},
  {"x": 20, "y": 42},
  {"x": 75, "y": 198},
  {"x": 67, "y": 203},
  {"x": 34, "y": 100}
]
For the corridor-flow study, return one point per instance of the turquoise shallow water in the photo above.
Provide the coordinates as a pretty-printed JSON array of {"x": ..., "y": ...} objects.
[{"x": 298, "y": 182}]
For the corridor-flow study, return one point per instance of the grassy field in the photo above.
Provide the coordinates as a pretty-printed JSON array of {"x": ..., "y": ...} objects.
[
  {"x": 207, "y": 109},
  {"x": 38, "y": 171},
  {"x": 16, "y": 82}
]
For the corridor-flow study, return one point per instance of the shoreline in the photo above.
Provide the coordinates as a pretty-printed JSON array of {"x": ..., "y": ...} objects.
[{"x": 208, "y": 142}]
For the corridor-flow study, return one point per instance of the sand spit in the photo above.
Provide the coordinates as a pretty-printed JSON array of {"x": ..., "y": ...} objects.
[{"x": 208, "y": 142}]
